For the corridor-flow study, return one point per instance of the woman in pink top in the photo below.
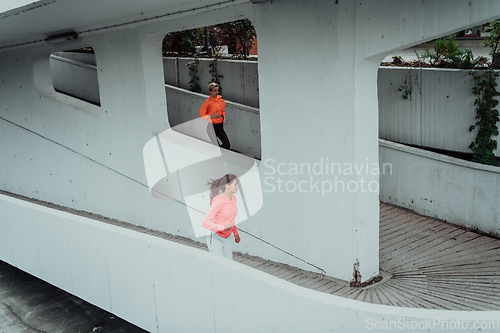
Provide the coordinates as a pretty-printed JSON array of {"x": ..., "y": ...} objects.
[{"x": 220, "y": 217}]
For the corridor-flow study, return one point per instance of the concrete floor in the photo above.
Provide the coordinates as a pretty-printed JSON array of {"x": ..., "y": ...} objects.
[{"x": 30, "y": 305}]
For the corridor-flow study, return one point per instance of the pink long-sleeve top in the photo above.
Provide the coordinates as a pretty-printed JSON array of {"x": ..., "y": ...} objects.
[{"x": 222, "y": 211}]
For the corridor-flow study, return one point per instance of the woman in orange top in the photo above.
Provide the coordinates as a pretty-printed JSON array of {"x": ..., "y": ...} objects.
[
  {"x": 221, "y": 215},
  {"x": 214, "y": 111}
]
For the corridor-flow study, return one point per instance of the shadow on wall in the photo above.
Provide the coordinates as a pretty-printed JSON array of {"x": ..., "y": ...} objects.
[{"x": 178, "y": 167}]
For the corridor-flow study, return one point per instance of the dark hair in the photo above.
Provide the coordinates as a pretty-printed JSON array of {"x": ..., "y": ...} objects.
[{"x": 219, "y": 185}]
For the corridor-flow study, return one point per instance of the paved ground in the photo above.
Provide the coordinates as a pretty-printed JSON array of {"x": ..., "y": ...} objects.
[
  {"x": 30, "y": 305},
  {"x": 425, "y": 263}
]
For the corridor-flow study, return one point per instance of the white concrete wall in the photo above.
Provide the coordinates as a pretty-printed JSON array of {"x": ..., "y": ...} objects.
[
  {"x": 318, "y": 66},
  {"x": 439, "y": 113},
  {"x": 175, "y": 288},
  {"x": 242, "y": 122},
  {"x": 102, "y": 169},
  {"x": 86, "y": 58},
  {"x": 314, "y": 105},
  {"x": 461, "y": 192},
  {"x": 75, "y": 78},
  {"x": 6, "y": 5},
  {"x": 240, "y": 81}
]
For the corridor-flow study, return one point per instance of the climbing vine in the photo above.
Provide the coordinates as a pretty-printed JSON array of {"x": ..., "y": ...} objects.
[
  {"x": 487, "y": 116},
  {"x": 194, "y": 78},
  {"x": 411, "y": 77},
  {"x": 213, "y": 70}
]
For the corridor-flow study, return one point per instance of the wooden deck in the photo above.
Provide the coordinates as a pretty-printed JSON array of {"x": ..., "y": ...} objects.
[{"x": 425, "y": 262}]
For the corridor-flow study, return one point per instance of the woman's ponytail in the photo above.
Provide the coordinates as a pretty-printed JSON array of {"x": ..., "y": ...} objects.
[{"x": 218, "y": 186}]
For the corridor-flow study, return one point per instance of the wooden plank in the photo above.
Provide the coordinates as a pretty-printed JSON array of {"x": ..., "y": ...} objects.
[
  {"x": 457, "y": 296},
  {"x": 407, "y": 223},
  {"x": 400, "y": 239},
  {"x": 438, "y": 251},
  {"x": 323, "y": 285},
  {"x": 379, "y": 297},
  {"x": 428, "y": 303},
  {"x": 334, "y": 288},
  {"x": 453, "y": 254},
  {"x": 398, "y": 298},
  {"x": 392, "y": 221},
  {"x": 415, "y": 250}
]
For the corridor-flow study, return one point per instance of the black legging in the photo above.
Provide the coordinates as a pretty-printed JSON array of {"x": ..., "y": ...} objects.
[{"x": 217, "y": 131}]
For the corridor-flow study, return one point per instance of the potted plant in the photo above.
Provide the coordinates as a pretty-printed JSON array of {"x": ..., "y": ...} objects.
[{"x": 493, "y": 41}]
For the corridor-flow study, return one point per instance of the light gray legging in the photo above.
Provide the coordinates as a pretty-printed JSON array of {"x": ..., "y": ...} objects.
[{"x": 220, "y": 246}]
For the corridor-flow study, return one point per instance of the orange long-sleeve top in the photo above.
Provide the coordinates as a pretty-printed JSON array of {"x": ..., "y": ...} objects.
[
  {"x": 213, "y": 106},
  {"x": 222, "y": 211}
]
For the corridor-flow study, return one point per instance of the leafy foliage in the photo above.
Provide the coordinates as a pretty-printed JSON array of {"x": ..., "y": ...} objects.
[
  {"x": 447, "y": 53},
  {"x": 405, "y": 88},
  {"x": 213, "y": 71},
  {"x": 411, "y": 79},
  {"x": 464, "y": 60},
  {"x": 487, "y": 116},
  {"x": 194, "y": 80},
  {"x": 493, "y": 40},
  {"x": 182, "y": 42},
  {"x": 238, "y": 36}
]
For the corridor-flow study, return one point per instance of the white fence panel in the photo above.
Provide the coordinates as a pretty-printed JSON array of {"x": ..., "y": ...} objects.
[{"x": 438, "y": 114}]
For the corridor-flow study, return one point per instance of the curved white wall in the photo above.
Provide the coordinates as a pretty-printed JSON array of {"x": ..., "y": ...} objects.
[
  {"x": 163, "y": 286},
  {"x": 461, "y": 192}
]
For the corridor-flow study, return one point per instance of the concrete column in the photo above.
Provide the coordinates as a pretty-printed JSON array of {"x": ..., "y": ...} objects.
[
  {"x": 131, "y": 74},
  {"x": 319, "y": 131}
]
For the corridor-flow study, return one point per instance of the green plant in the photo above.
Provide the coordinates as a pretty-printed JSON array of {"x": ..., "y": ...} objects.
[
  {"x": 411, "y": 78},
  {"x": 445, "y": 49},
  {"x": 487, "y": 116},
  {"x": 397, "y": 60},
  {"x": 493, "y": 40},
  {"x": 213, "y": 71},
  {"x": 194, "y": 78},
  {"x": 464, "y": 59},
  {"x": 405, "y": 89},
  {"x": 182, "y": 42},
  {"x": 239, "y": 36}
]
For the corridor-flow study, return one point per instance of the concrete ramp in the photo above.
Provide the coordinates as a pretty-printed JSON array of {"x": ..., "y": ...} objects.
[{"x": 163, "y": 286}]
